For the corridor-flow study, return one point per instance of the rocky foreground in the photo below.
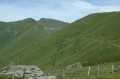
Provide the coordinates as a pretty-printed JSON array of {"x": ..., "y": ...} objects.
[{"x": 30, "y": 72}]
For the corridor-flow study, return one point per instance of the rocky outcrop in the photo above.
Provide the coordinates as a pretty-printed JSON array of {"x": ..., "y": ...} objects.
[
  {"x": 73, "y": 66},
  {"x": 30, "y": 72}
]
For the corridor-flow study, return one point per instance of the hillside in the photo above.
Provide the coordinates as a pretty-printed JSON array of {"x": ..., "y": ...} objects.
[
  {"x": 51, "y": 24},
  {"x": 94, "y": 39},
  {"x": 16, "y": 38}
]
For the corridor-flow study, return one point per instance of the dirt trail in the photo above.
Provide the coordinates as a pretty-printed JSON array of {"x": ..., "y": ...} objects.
[{"x": 109, "y": 42}]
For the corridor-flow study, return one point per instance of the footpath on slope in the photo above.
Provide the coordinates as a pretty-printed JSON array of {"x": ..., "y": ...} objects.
[{"x": 109, "y": 42}]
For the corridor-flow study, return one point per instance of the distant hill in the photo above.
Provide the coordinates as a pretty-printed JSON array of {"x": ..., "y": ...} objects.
[
  {"x": 18, "y": 35},
  {"x": 94, "y": 39},
  {"x": 52, "y": 24}
]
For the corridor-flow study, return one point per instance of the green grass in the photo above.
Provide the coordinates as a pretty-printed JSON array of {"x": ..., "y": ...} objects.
[
  {"x": 9, "y": 77},
  {"x": 32, "y": 37},
  {"x": 105, "y": 72},
  {"x": 95, "y": 37}
]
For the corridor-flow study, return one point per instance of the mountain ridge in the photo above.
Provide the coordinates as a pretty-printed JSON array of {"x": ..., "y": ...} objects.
[{"x": 94, "y": 38}]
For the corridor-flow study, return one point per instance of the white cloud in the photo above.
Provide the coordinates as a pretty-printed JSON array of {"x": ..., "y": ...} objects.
[{"x": 69, "y": 10}]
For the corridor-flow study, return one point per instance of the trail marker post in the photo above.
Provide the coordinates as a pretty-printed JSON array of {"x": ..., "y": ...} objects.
[
  {"x": 63, "y": 74},
  {"x": 13, "y": 77},
  {"x": 113, "y": 69},
  {"x": 89, "y": 71},
  {"x": 98, "y": 70}
]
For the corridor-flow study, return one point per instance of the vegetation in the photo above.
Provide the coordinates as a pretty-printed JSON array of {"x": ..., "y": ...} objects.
[
  {"x": 51, "y": 23},
  {"x": 105, "y": 72},
  {"x": 94, "y": 38},
  {"x": 9, "y": 77}
]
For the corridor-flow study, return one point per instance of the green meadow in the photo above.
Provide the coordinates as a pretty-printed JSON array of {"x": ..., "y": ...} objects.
[{"x": 52, "y": 45}]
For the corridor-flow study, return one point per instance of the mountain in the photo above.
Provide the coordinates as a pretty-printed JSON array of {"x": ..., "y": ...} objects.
[
  {"x": 94, "y": 39},
  {"x": 16, "y": 38},
  {"x": 52, "y": 24},
  {"x": 13, "y": 29}
]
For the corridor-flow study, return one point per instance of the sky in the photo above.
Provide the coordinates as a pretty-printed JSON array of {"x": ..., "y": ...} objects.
[{"x": 64, "y": 10}]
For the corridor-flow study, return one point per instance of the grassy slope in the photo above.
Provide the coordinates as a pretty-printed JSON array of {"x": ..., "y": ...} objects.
[
  {"x": 7, "y": 30},
  {"x": 51, "y": 23},
  {"x": 98, "y": 34},
  {"x": 95, "y": 37},
  {"x": 28, "y": 46}
]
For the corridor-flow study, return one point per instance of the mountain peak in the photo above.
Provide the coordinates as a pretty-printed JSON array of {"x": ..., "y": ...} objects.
[
  {"x": 46, "y": 19},
  {"x": 52, "y": 23},
  {"x": 29, "y": 20}
]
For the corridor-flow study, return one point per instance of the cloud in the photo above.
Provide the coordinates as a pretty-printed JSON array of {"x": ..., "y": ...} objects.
[{"x": 65, "y": 10}]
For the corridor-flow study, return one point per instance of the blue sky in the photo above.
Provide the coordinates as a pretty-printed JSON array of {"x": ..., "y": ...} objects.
[{"x": 65, "y": 10}]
